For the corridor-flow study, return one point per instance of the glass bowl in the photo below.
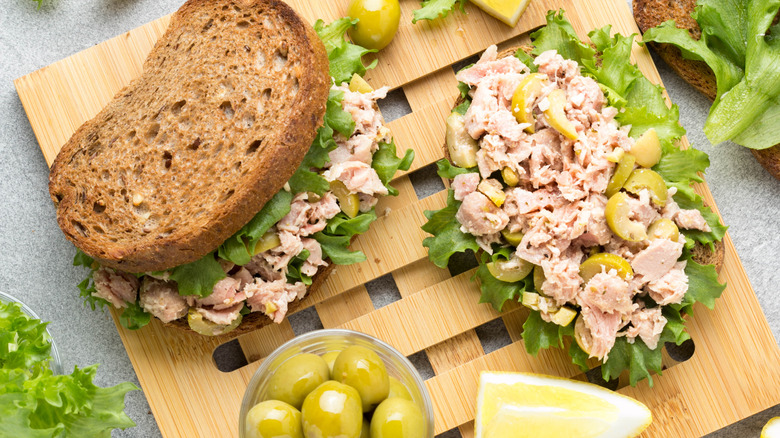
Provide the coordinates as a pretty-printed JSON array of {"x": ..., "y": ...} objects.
[
  {"x": 55, "y": 364},
  {"x": 323, "y": 341}
]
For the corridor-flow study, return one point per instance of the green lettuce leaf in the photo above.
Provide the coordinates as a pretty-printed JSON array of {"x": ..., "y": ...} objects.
[
  {"x": 342, "y": 225},
  {"x": 433, "y": 9},
  {"x": 81, "y": 259},
  {"x": 450, "y": 171},
  {"x": 616, "y": 71},
  {"x": 497, "y": 292},
  {"x": 133, "y": 317},
  {"x": 337, "y": 248},
  {"x": 539, "y": 334},
  {"x": 559, "y": 35},
  {"x": 345, "y": 58},
  {"x": 199, "y": 277},
  {"x": 703, "y": 285},
  {"x": 24, "y": 341},
  {"x": 386, "y": 163},
  {"x": 447, "y": 238},
  {"x": 526, "y": 59},
  {"x": 294, "y": 273}
]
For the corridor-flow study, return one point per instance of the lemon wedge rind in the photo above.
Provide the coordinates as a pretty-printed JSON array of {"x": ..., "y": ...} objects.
[{"x": 771, "y": 429}]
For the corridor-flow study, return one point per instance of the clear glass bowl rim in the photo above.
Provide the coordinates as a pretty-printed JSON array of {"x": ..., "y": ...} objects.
[
  {"x": 313, "y": 335},
  {"x": 56, "y": 363}
]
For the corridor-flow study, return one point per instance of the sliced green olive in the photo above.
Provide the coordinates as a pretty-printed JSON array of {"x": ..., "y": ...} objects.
[
  {"x": 207, "y": 328},
  {"x": 646, "y": 179},
  {"x": 525, "y": 95},
  {"x": 510, "y": 177},
  {"x": 530, "y": 300},
  {"x": 663, "y": 229},
  {"x": 513, "y": 239},
  {"x": 647, "y": 149},
  {"x": 460, "y": 145},
  {"x": 606, "y": 262},
  {"x": 556, "y": 115},
  {"x": 493, "y": 190},
  {"x": 378, "y": 22},
  {"x": 564, "y": 316},
  {"x": 269, "y": 240},
  {"x": 510, "y": 272},
  {"x": 539, "y": 279},
  {"x": 622, "y": 172},
  {"x": 582, "y": 335},
  {"x": 349, "y": 202},
  {"x": 359, "y": 85},
  {"x": 616, "y": 212}
]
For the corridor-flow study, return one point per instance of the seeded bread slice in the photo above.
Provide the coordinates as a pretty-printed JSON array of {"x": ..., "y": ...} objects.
[
  {"x": 701, "y": 254},
  {"x": 228, "y": 104},
  {"x": 651, "y": 13}
]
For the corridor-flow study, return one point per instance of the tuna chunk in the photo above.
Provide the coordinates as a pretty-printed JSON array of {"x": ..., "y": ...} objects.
[
  {"x": 691, "y": 220},
  {"x": 641, "y": 210},
  {"x": 367, "y": 202},
  {"x": 465, "y": 184},
  {"x": 657, "y": 259},
  {"x": 272, "y": 298},
  {"x": 599, "y": 331},
  {"x": 671, "y": 287},
  {"x": 648, "y": 324},
  {"x": 260, "y": 266},
  {"x": 488, "y": 65},
  {"x": 222, "y": 316},
  {"x": 118, "y": 288},
  {"x": 314, "y": 261},
  {"x": 162, "y": 299},
  {"x": 224, "y": 295},
  {"x": 280, "y": 256},
  {"x": 357, "y": 176},
  {"x": 306, "y": 218},
  {"x": 597, "y": 231},
  {"x": 479, "y": 216},
  {"x": 556, "y": 68},
  {"x": 608, "y": 293},
  {"x": 562, "y": 276}
]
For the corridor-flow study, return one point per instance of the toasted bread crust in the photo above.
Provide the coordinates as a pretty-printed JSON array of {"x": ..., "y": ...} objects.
[
  {"x": 651, "y": 13},
  {"x": 190, "y": 151},
  {"x": 701, "y": 253}
]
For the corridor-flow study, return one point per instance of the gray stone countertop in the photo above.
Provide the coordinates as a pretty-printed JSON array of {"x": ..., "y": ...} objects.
[{"x": 36, "y": 258}]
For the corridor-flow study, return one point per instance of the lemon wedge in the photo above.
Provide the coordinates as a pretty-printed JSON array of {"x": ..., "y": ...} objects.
[
  {"x": 519, "y": 405},
  {"x": 771, "y": 429},
  {"x": 508, "y": 11}
]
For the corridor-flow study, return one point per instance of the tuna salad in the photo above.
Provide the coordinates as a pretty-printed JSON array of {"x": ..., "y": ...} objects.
[
  {"x": 303, "y": 229},
  {"x": 556, "y": 192}
]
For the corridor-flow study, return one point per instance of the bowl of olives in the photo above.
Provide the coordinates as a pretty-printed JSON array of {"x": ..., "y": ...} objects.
[{"x": 336, "y": 383}]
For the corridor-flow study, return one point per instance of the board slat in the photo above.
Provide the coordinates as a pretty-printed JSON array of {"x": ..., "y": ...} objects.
[{"x": 437, "y": 314}]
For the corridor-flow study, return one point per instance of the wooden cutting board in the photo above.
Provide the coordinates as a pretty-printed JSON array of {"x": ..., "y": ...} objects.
[{"x": 734, "y": 372}]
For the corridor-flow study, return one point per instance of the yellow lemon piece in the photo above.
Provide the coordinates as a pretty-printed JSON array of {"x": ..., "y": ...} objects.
[
  {"x": 771, "y": 429},
  {"x": 508, "y": 11},
  {"x": 520, "y": 405}
]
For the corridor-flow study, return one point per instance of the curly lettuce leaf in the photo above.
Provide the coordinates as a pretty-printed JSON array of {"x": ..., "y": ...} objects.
[
  {"x": 539, "y": 334},
  {"x": 294, "y": 273},
  {"x": 433, "y": 9},
  {"x": 386, "y": 163},
  {"x": 616, "y": 71},
  {"x": 450, "y": 171},
  {"x": 24, "y": 342},
  {"x": 133, "y": 317},
  {"x": 497, "y": 292},
  {"x": 526, "y": 59},
  {"x": 345, "y": 58},
  {"x": 337, "y": 249},
  {"x": 199, "y": 277},
  {"x": 447, "y": 238},
  {"x": 703, "y": 285},
  {"x": 343, "y": 225},
  {"x": 61, "y": 406},
  {"x": 559, "y": 35}
]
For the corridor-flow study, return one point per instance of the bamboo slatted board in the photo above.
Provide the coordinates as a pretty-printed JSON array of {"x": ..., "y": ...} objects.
[{"x": 734, "y": 372}]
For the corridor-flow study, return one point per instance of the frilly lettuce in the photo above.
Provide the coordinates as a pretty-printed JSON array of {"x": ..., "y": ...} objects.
[{"x": 433, "y": 9}]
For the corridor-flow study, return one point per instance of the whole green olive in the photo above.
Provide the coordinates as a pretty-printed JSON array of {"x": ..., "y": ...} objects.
[
  {"x": 398, "y": 389},
  {"x": 397, "y": 417},
  {"x": 296, "y": 378},
  {"x": 332, "y": 410},
  {"x": 365, "y": 371},
  {"x": 273, "y": 419},
  {"x": 330, "y": 358},
  {"x": 378, "y": 22}
]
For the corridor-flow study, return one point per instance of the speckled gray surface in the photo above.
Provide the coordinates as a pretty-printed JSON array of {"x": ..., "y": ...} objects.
[{"x": 36, "y": 257}]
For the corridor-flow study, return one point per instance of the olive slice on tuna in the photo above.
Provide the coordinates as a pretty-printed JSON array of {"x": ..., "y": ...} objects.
[
  {"x": 358, "y": 84},
  {"x": 349, "y": 202},
  {"x": 556, "y": 116},
  {"x": 647, "y": 149},
  {"x": 513, "y": 239},
  {"x": 646, "y": 179},
  {"x": 622, "y": 172},
  {"x": 208, "y": 328},
  {"x": 460, "y": 145},
  {"x": 269, "y": 240},
  {"x": 524, "y": 97},
  {"x": 616, "y": 212},
  {"x": 539, "y": 279},
  {"x": 510, "y": 271},
  {"x": 663, "y": 229},
  {"x": 605, "y": 262}
]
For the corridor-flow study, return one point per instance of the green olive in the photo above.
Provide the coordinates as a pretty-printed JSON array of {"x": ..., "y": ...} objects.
[
  {"x": 378, "y": 22},
  {"x": 513, "y": 239},
  {"x": 539, "y": 279},
  {"x": 398, "y": 389},
  {"x": 365, "y": 431},
  {"x": 524, "y": 96},
  {"x": 273, "y": 419},
  {"x": 397, "y": 417},
  {"x": 296, "y": 378},
  {"x": 509, "y": 271},
  {"x": 330, "y": 358},
  {"x": 460, "y": 145},
  {"x": 365, "y": 371},
  {"x": 349, "y": 202},
  {"x": 605, "y": 261},
  {"x": 622, "y": 172},
  {"x": 647, "y": 149},
  {"x": 332, "y": 410},
  {"x": 616, "y": 213},
  {"x": 207, "y": 328},
  {"x": 646, "y": 179},
  {"x": 556, "y": 116},
  {"x": 663, "y": 229}
]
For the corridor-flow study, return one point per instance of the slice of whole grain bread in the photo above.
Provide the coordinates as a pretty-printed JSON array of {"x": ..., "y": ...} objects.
[
  {"x": 651, "y": 13},
  {"x": 228, "y": 104},
  {"x": 701, "y": 253}
]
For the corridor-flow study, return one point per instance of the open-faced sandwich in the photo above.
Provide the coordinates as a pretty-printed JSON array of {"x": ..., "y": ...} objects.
[
  {"x": 567, "y": 182},
  {"x": 225, "y": 182}
]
